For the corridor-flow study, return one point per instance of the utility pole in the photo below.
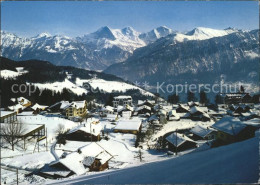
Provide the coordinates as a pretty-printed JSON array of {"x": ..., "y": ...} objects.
[
  {"x": 17, "y": 176},
  {"x": 90, "y": 132},
  {"x": 176, "y": 143},
  {"x": 46, "y": 141}
]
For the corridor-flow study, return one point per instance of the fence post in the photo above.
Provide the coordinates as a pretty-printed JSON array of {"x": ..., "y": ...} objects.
[{"x": 17, "y": 176}]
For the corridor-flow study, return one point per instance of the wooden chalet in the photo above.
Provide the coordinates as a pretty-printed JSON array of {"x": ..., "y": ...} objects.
[
  {"x": 196, "y": 113},
  {"x": 132, "y": 126},
  {"x": 179, "y": 142},
  {"x": 85, "y": 132},
  {"x": 91, "y": 157},
  {"x": 230, "y": 129},
  {"x": 203, "y": 133}
]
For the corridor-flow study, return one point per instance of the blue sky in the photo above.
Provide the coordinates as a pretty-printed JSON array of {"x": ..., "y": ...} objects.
[{"x": 74, "y": 18}]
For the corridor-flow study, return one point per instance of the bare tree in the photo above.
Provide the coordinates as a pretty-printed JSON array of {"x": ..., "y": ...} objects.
[
  {"x": 140, "y": 155},
  {"x": 61, "y": 134},
  {"x": 12, "y": 132},
  {"x": 149, "y": 135},
  {"x": 60, "y": 129}
]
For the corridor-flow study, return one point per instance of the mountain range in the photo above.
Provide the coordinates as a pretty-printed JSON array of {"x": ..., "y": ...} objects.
[
  {"x": 94, "y": 51},
  {"x": 160, "y": 55},
  {"x": 201, "y": 55}
]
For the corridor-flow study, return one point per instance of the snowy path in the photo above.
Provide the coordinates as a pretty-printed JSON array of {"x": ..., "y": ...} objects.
[
  {"x": 127, "y": 147},
  {"x": 53, "y": 152},
  {"x": 235, "y": 163}
]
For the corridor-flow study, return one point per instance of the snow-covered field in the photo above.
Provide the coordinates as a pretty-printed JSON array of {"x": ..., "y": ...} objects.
[
  {"x": 109, "y": 86},
  {"x": 103, "y": 85},
  {"x": 235, "y": 163},
  {"x": 51, "y": 123},
  {"x": 10, "y": 74},
  {"x": 59, "y": 86}
]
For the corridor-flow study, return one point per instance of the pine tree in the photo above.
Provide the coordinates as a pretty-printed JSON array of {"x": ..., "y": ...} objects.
[
  {"x": 218, "y": 99},
  {"x": 174, "y": 98},
  {"x": 110, "y": 100},
  {"x": 190, "y": 96},
  {"x": 203, "y": 98}
]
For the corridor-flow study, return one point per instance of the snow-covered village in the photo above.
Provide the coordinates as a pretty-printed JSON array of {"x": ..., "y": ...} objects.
[
  {"x": 145, "y": 92},
  {"x": 70, "y": 139}
]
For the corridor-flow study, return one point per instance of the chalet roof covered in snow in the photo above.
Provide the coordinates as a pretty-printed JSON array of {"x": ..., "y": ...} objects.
[
  {"x": 201, "y": 130},
  {"x": 4, "y": 113},
  {"x": 191, "y": 103},
  {"x": 104, "y": 157},
  {"x": 133, "y": 124},
  {"x": 64, "y": 104},
  {"x": 93, "y": 120},
  {"x": 162, "y": 111},
  {"x": 178, "y": 139},
  {"x": 73, "y": 162},
  {"x": 173, "y": 113},
  {"x": 22, "y": 100},
  {"x": 108, "y": 108},
  {"x": 16, "y": 107},
  {"x": 253, "y": 122},
  {"x": 88, "y": 127},
  {"x": 143, "y": 107},
  {"x": 97, "y": 151},
  {"x": 85, "y": 155},
  {"x": 37, "y": 106},
  {"x": 229, "y": 125},
  {"x": 122, "y": 97},
  {"x": 183, "y": 107},
  {"x": 141, "y": 102},
  {"x": 88, "y": 161},
  {"x": 196, "y": 109},
  {"x": 153, "y": 117},
  {"x": 76, "y": 104},
  {"x": 79, "y": 104},
  {"x": 124, "y": 108},
  {"x": 93, "y": 149}
]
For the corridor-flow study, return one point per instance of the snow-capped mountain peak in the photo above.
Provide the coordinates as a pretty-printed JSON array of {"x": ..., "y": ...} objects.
[
  {"x": 202, "y": 33},
  {"x": 42, "y": 35},
  {"x": 104, "y": 32},
  {"x": 155, "y": 34},
  {"x": 96, "y": 50}
]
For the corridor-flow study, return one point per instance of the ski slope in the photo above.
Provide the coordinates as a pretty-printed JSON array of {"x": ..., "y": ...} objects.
[{"x": 235, "y": 163}]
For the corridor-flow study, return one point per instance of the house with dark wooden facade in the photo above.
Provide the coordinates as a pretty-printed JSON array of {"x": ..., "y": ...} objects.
[
  {"x": 179, "y": 142},
  {"x": 230, "y": 129}
]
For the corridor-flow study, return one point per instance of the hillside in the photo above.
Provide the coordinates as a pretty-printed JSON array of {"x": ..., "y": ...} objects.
[
  {"x": 94, "y": 51},
  {"x": 61, "y": 82},
  {"x": 202, "y": 55},
  {"x": 235, "y": 163}
]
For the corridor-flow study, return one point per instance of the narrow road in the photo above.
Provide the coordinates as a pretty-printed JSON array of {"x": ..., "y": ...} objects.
[{"x": 53, "y": 152}]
